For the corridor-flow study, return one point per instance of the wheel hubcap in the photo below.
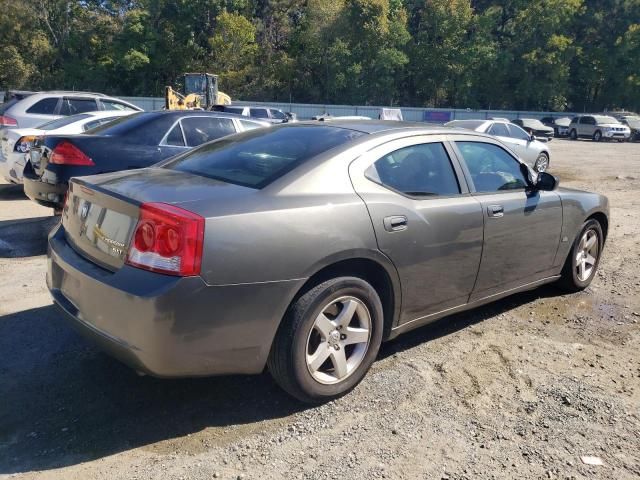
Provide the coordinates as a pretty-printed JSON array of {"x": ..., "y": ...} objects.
[
  {"x": 338, "y": 340},
  {"x": 587, "y": 255},
  {"x": 542, "y": 163}
]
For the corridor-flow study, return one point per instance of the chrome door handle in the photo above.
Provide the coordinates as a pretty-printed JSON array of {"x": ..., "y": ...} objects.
[
  {"x": 395, "y": 223},
  {"x": 495, "y": 211}
]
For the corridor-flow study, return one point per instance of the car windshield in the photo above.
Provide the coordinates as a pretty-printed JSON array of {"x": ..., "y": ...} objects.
[
  {"x": 63, "y": 122},
  {"x": 605, "y": 119},
  {"x": 255, "y": 159}
]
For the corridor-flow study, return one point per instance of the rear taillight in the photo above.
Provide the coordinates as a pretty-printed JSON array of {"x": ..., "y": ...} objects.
[
  {"x": 8, "y": 121},
  {"x": 66, "y": 153},
  {"x": 167, "y": 239}
]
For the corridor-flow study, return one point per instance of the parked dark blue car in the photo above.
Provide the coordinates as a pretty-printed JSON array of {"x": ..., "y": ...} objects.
[{"x": 136, "y": 141}]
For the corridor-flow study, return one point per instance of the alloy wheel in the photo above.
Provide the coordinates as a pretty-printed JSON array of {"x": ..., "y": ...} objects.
[
  {"x": 338, "y": 340},
  {"x": 587, "y": 255},
  {"x": 542, "y": 163}
]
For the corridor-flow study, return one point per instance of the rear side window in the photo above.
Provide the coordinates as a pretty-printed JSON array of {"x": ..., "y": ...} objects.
[
  {"x": 492, "y": 169},
  {"x": 46, "y": 106},
  {"x": 199, "y": 130},
  {"x": 419, "y": 170},
  {"x": 72, "y": 106},
  {"x": 257, "y": 158},
  {"x": 259, "y": 113},
  {"x": 175, "y": 137},
  {"x": 499, "y": 129}
]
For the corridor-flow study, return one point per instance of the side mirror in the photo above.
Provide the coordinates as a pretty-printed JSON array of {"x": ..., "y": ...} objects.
[
  {"x": 532, "y": 138},
  {"x": 546, "y": 182}
]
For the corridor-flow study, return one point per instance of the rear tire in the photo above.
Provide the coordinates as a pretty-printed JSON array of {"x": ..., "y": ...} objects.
[
  {"x": 582, "y": 263},
  {"x": 542, "y": 163},
  {"x": 573, "y": 135},
  {"x": 328, "y": 340}
]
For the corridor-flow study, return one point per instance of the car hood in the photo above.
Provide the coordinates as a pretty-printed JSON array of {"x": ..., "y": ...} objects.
[{"x": 612, "y": 125}]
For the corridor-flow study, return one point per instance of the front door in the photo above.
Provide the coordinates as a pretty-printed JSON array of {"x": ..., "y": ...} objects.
[
  {"x": 424, "y": 219},
  {"x": 521, "y": 227}
]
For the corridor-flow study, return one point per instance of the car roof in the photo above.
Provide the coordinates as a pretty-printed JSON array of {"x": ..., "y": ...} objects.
[{"x": 385, "y": 126}]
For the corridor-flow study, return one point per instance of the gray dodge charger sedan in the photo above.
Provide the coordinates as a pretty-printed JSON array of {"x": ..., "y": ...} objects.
[{"x": 302, "y": 247}]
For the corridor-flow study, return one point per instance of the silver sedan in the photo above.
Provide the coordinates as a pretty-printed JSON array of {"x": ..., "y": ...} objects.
[
  {"x": 531, "y": 151},
  {"x": 302, "y": 247}
]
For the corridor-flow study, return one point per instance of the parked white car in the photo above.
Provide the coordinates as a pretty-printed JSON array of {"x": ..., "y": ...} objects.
[
  {"x": 15, "y": 143},
  {"x": 42, "y": 107},
  {"x": 597, "y": 128},
  {"x": 531, "y": 151}
]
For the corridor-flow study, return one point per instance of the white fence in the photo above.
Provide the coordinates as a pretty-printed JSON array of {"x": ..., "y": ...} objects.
[
  {"x": 305, "y": 111},
  {"x": 433, "y": 115}
]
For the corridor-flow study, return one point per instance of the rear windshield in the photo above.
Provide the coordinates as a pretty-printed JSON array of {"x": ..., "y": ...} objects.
[
  {"x": 63, "y": 122},
  {"x": 257, "y": 158},
  {"x": 117, "y": 128},
  {"x": 7, "y": 105},
  {"x": 468, "y": 124}
]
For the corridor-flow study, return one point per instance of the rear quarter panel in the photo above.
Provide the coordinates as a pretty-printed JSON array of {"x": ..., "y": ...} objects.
[{"x": 577, "y": 206}]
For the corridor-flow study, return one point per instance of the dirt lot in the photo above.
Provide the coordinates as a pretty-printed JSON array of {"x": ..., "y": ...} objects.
[{"x": 517, "y": 389}]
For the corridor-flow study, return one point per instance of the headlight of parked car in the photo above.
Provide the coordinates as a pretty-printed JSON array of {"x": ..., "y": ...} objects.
[{"x": 23, "y": 145}]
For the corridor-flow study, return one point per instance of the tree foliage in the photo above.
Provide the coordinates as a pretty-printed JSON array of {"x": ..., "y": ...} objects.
[{"x": 525, "y": 54}]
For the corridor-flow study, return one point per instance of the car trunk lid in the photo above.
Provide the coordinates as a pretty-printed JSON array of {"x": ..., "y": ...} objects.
[{"x": 102, "y": 211}]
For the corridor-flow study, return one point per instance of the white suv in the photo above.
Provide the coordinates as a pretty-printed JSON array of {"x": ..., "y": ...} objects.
[{"x": 43, "y": 107}]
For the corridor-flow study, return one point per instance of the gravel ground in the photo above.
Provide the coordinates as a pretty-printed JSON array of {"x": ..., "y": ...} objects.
[{"x": 521, "y": 388}]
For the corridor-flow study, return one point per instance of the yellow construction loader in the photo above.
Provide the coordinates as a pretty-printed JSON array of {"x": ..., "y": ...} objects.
[{"x": 200, "y": 93}]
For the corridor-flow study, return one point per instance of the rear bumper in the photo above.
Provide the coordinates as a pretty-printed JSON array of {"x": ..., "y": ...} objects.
[
  {"x": 167, "y": 326},
  {"x": 45, "y": 194}
]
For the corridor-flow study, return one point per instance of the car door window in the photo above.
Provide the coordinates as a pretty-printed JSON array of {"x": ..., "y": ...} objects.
[
  {"x": 499, "y": 129},
  {"x": 518, "y": 133},
  {"x": 46, "y": 106},
  {"x": 259, "y": 113},
  {"x": 199, "y": 130},
  {"x": 71, "y": 106},
  {"x": 175, "y": 137},
  {"x": 112, "y": 105},
  {"x": 492, "y": 169},
  {"x": 418, "y": 170}
]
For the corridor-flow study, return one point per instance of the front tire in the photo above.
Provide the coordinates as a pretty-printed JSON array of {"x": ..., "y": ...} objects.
[
  {"x": 542, "y": 163},
  {"x": 597, "y": 136},
  {"x": 573, "y": 135},
  {"x": 328, "y": 340},
  {"x": 583, "y": 260}
]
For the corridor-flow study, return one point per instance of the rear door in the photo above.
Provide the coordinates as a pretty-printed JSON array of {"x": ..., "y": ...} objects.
[
  {"x": 587, "y": 126},
  {"x": 424, "y": 219},
  {"x": 521, "y": 227}
]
